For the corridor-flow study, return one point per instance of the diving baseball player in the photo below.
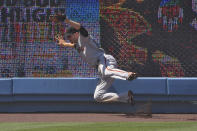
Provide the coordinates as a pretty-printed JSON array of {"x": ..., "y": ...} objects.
[{"x": 89, "y": 51}]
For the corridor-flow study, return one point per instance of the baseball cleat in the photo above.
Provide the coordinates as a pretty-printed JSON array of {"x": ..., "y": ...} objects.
[
  {"x": 132, "y": 77},
  {"x": 131, "y": 99}
]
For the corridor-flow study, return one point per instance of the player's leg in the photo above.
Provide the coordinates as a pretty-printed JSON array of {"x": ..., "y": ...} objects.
[
  {"x": 106, "y": 71},
  {"x": 101, "y": 94},
  {"x": 107, "y": 67}
]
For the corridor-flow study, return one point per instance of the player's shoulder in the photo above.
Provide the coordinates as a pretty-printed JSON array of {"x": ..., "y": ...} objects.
[{"x": 83, "y": 32}]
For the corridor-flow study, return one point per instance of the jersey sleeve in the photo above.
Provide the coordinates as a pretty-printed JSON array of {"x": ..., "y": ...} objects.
[{"x": 83, "y": 31}]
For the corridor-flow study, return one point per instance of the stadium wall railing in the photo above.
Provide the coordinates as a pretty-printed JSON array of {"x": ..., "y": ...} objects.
[{"x": 158, "y": 94}]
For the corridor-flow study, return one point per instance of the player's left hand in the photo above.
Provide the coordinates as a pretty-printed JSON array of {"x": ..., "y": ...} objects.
[{"x": 57, "y": 18}]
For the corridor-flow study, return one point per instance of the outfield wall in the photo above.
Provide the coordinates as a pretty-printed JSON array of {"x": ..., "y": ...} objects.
[{"x": 168, "y": 95}]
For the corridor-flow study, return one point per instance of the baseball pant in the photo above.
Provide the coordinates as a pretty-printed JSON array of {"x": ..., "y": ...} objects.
[{"x": 108, "y": 73}]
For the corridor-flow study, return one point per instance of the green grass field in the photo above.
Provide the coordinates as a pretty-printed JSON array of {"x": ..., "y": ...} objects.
[{"x": 98, "y": 126}]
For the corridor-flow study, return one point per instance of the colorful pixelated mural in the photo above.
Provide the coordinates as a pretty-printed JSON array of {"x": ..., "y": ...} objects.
[
  {"x": 27, "y": 44},
  {"x": 150, "y": 37}
]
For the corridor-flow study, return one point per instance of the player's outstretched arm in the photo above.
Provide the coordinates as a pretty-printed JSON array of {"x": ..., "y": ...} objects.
[
  {"x": 62, "y": 18},
  {"x": 77, "y": 26},
  {"x": 62, "y": 42},
  {"x": 74, "y": 24}
]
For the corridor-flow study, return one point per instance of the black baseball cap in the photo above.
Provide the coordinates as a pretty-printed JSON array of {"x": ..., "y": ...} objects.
[{"x": 70, "y": 31}]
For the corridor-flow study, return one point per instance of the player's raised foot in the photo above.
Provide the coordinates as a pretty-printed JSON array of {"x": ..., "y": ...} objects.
[
  {"x": 132, "y": 76},
  {"x": 131, "y": 99}
]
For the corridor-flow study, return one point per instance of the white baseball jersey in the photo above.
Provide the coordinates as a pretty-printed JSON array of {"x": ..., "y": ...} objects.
[{"x": 89, "y": 50}]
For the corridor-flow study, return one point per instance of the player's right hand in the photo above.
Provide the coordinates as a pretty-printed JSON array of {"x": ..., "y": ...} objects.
[{"x": 60, "y": 39}]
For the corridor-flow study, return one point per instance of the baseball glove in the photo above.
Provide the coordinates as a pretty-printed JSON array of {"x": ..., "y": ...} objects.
[{"x": 57, "y": 18}]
